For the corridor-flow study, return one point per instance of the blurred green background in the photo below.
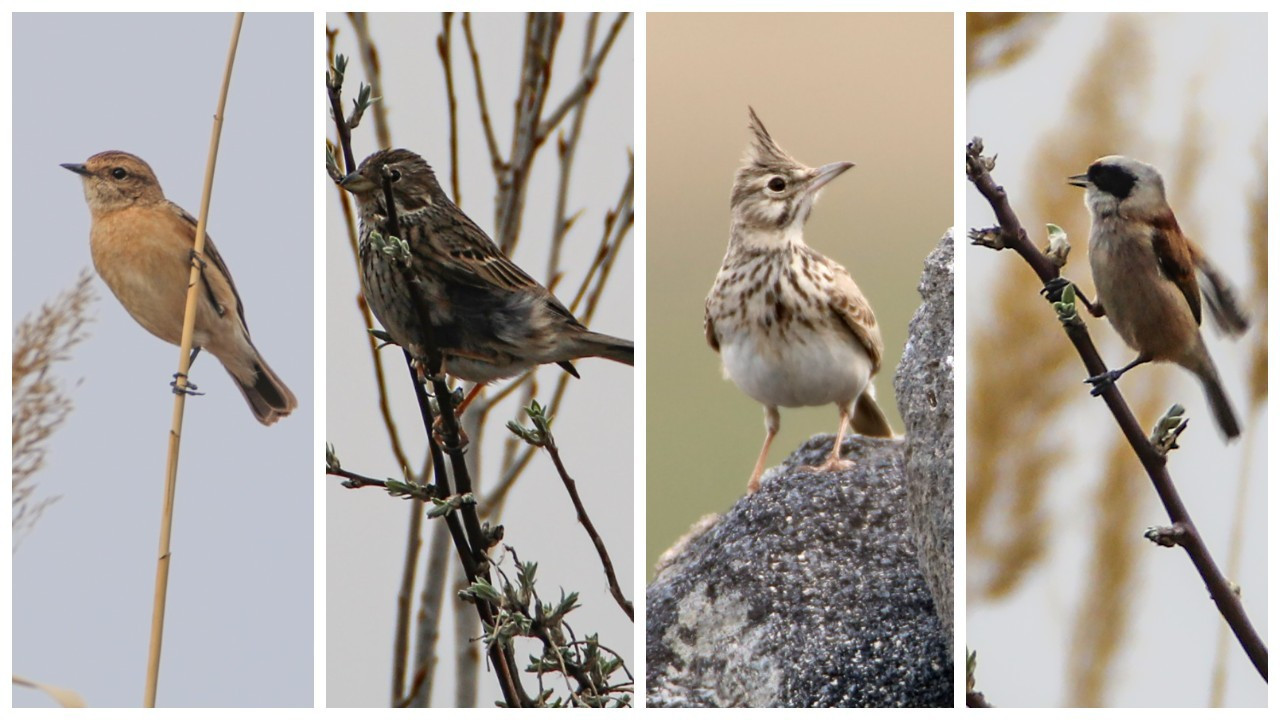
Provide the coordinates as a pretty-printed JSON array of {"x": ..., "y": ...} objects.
[{"x": 874, "y": 89}]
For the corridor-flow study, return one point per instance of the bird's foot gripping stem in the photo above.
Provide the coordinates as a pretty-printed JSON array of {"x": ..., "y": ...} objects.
[{"x": 186, "y": 388}]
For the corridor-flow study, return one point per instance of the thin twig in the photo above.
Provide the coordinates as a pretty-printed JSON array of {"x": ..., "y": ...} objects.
[
  {"x": 474, "y": 423},
  {"x": 404, "y": 602},
  {"x": 430, "y": 616},
  {"x": 356, "y": 481},
  {"x": 542, "y": 33},
  {"x": 444, "y": 46},
  {"x": 373, "y": 71},
  {"x": 180, "y": 383},
  {"x": 374, "y": 345},
  {"x": 567, "y": 150},
  {"x": 334, "y": 88},
  {"x": 366, "y": 316},
  {"x": 551, "y": 644},
  {"x": 400, "y": 652},
  {"x": 517, "y": 458},
  {"x": 590, "y": 76},
  {"x": 1014, "y": 237},
  {"x": 572, "y": 488},
  {"x": 495, "y": 157},
  {"x": 466, "y": 533}
]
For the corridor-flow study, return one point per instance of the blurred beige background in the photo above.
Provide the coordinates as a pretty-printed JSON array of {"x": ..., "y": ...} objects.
[
  {"x": 1058, "y": 575},
  {"x": 874, "y": 89}
]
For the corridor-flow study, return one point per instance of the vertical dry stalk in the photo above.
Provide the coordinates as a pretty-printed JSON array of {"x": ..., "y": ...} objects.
[{"x": 179, "y": 398}]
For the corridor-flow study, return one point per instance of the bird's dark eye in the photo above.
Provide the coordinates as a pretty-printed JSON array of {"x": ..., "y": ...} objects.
[
  {"x": 119, "y": 173},
  {"x": 395, "y": 175},
  {"x": 777, "y": 184}
]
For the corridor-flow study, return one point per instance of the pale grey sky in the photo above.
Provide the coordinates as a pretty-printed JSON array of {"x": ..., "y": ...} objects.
[
  {"x": 594, "y": 427},
  {"x": 239, "y": 626},
  {"x": 1014, "y": 112}
]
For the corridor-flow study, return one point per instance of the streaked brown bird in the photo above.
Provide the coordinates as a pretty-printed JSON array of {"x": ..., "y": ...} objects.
[
  {"x": 446, "y": 281},
  {"x": 141, "y": 245},
  {"x": 790, "y": 324}
]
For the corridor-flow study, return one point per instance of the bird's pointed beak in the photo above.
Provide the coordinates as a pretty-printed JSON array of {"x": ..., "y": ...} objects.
[
  {"x": 357, "y": 183},
  {"x": 77, "y": 168},
  {"x": 1078, "y": 180},
  {"x": 827, "y": 173}
]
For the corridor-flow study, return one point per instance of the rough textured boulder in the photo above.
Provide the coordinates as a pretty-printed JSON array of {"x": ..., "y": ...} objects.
[
  {"x": 925, "y": 389},
  {"x": 810, "y": 593}
]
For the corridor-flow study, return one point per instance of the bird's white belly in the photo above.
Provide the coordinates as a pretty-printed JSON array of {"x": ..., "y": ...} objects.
[{"x": 824, "y": 368}]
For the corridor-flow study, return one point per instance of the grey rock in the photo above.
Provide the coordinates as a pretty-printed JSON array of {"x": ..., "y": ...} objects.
[
  {"x": 925, "y": 388},
  {"x": 810, "y": 593}
]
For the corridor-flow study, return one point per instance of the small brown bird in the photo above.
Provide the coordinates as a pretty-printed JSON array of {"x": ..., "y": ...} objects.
[
  {"x": 141, "y": 245},
  {"x": 487, "y": 317},
  {"x": 791, "y": 326},
  {"x": 1146, "y": 271}
]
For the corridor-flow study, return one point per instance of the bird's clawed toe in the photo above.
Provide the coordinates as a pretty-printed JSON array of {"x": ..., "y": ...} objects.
[
  {"x": 833, "y": 464},
  {"x": 1102, "y": 380},
  {"x": 187, "y": 388}
]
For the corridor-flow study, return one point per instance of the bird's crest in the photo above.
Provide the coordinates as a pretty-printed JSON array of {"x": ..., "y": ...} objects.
[{"x": 763, "y": 151}]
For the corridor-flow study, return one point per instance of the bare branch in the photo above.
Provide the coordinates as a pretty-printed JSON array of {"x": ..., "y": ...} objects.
[
  {"x": 495, "y": 157},
  {"x": 590, "y": 75}
]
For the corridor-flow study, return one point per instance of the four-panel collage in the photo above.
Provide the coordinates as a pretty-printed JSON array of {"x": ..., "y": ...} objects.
[{"x": 638, "y": 359}]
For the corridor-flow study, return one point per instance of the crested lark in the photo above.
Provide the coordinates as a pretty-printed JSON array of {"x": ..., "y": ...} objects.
[
  {"x": 791, "y": 326},
  {"x": 454, "y": 287}
]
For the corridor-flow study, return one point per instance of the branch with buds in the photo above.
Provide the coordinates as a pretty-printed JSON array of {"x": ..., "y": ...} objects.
[
  {"x": 469, "y": 537},
  {"x": 540, "y": 436},
  {"x": 1009, "y": 234},
  {"x": 458, "y": 505}
]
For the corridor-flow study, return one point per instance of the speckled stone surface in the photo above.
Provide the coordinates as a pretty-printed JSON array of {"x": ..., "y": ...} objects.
[
  {"x": 811, "y": 592},
  {"x": 925, "y": 388}
]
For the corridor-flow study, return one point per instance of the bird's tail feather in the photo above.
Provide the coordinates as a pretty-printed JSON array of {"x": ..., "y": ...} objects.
[
  {"x": 606, "y": 346},
  {"x": 1220, "y": 295},
  {"x": 868, "y": 418},
  {"x": 1219, "y": 403},
  {"x": 268, "y": 397}
]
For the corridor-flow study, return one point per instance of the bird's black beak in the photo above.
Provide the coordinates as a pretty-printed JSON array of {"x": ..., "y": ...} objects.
[
  {"x": 357, "y": 183},
  {"x": 1078, "y": 180},
  {"x": 77, "y": 168}
]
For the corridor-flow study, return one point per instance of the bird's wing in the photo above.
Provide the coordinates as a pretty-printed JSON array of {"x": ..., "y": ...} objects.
[
  {"x": 852, "y": 308},
  {"x": 217, "y": 267},
  {"x": 472, "y": 258},
  {"x": 1173, "y": 255},
  {"x": 709, "y": 326},
  {"x": 1219, "y": 294}
]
